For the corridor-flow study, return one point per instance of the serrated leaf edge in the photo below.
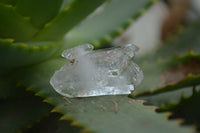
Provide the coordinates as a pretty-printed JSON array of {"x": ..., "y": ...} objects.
[
  {"x": 25, "y": 46},
  {"x": 189, "y": 80},
  {"x": 107, "y": 38}
]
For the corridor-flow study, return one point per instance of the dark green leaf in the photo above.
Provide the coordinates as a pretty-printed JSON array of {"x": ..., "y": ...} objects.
[
  {"x": 52, "y": 124},
  {"x": 9, "y": 2},
  {"x": 39, "y": 11},
  {"x": 20, "y": 54},
  {"x": 17, "y": 114},
  {"x": 13, "y": 25},
  {"x": 187, "y": 108}
]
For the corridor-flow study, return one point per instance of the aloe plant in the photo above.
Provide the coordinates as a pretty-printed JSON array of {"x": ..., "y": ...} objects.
[{"x": 33, "y": 34}]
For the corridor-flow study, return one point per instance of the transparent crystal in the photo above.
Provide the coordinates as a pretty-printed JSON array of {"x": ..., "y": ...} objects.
[{"x": 97, "y": 72}]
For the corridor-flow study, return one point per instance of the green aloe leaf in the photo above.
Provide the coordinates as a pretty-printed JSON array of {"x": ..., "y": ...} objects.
[
  {"x": 109, "y": 21},
  {"x": 25, "y": 53},
  {"x": 101, "y": 113},
  {"x": 20, "y": 113},
  {"x": 9, "y": 2},
  {"x": 67, "y": 19},
  {"x": 91, "y": 113},
  {"x": 13, "y": 25},
  {"x": 173, "y": 57},
  {"x": 8, "y": 88},
  {"x": 187, "y": 109},
  {"x": 67, "y": 3},
  {"x": 183, "y": 104},
  {"x": 187, "y": 41},
  {"x": 52, "y": 124},
  {"x": 96, "y": 113},
  {"x": 170, "y": 75},
  {"x": 168, "y": 98},
  {"x": 39, "y": 11}
]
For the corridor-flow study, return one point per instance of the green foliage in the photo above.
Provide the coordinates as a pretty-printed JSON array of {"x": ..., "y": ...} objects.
[
  {"x": 67, "y": 19},
  {"x": 42, "y": 15},
  {"x": 11, "y": 22},
  {"x": 52, "y": 124},
  {"x": 184, "y": 109},
  {"x": 95, "y": 31},
  {"x": 34, "y": 52},
  {"x": 33, "y": 33},
  {"x": 21, "y": 112}
]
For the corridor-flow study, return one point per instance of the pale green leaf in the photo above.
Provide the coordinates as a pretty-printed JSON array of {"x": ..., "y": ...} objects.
[
  {"x": 97, "y": 114},
  {"x": 67, "y": 19},
  {"x": 110, "y": 20}
]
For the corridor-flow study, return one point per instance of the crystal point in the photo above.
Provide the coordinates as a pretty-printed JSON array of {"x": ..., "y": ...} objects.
[{"x": 97, "y": 72}]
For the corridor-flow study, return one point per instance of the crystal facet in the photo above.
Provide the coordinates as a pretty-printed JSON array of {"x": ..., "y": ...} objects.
[{"x": 97, "y": 72}]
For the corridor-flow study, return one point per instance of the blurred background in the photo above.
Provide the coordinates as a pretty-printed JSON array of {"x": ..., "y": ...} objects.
[{"x": 163, "y": 20}]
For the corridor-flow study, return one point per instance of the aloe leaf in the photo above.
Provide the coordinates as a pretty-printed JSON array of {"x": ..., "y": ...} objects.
[
  {"x": 187, "y": 109},
  {"x": 9, "y": 2},
  {"x": 155, "y": 64},
  {"x": 126, "y": 115},
  {"x": 52, "y": 124},
  {"x": 96, "y": 113},
  {"x": 20, "y": 54},
  {"x": 109, "y": 21},
  {"x": 13, "y": 25},
  {"x": 8, "y": 88},
  {"x": 183, "y": 104},
  {"x": 39, "y": 11},
  {"x": 187, "y": 40},
  {"x": 67, "y": 19},
  {"x": 159, "y": 81},
  {"x": 67, "y": 3},
  {"x": 169, "y": 98},
  {"x": 20, "y": 113},
  {"x": 5, "y": 89}
]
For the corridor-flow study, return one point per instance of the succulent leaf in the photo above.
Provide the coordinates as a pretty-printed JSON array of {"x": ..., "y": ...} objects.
[
  {"x": 187, "y": 109},
  {"x": 8, "y": 2},
  {"x": 170, "y": 75},
  {"x": 20, "y": 113},
  {"x": 95, "y": 113},
  {"x": 177, "y": 55},
  {"x": 39, "y": 11},
  {"x": 67, "y": 19},
  {"x": 52, "y": 124},
  {"x": 21, "y": 54},
  {"x": 13, "y": 25},
  {"x": 116, "y": 15},
  {"x": 187, "y": 41}
]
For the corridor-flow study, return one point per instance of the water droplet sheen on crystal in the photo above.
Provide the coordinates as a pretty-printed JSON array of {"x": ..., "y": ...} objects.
[{"x": 97, "y": 72}]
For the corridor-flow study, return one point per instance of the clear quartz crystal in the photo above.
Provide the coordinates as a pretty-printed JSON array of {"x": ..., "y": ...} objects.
[{"x": 97, "y": 72}]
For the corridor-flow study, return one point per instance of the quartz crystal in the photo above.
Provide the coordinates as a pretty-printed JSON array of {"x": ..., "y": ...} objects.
[{"x": 97, "y": 72}]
